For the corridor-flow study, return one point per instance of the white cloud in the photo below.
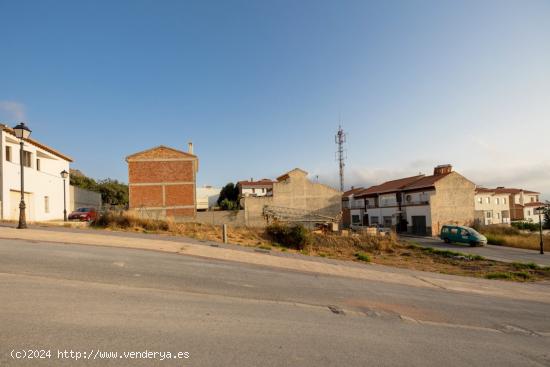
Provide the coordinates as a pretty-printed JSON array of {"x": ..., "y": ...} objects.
[{"x": 13, "y": 110}]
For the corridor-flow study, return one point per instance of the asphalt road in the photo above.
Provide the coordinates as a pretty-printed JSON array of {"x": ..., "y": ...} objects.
[
  {"x": 84, "y": 298},
  {"x": 499, "y": 253}
]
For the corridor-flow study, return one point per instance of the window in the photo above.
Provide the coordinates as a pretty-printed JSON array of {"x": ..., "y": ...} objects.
[
  {"x": 463, "y": 232},
  {"x": 253, "y": 191},
  {"x": 503, "y": 200},
  {"x": 373, "y": 220},
  {"x": 454, "y": 230},
  {"x": 38, "y": 164},
  {"x": 497, "y": 200},
  {"x": 355, "y": 219},
  {"x": 480, "y": 200},
  {"x": 8, "y": 154},
  {"x": 489, "y": 214},
  {"x": 498, "y": 215},
  {"x": 528, "y": 213},
  {"x": 46, "y": 204},
  {"x": 532, "y": 199},
  {"x": 27, "y": 156},
  {"x": 445, "y": 230},
  {"x": 488, "y": 200}
]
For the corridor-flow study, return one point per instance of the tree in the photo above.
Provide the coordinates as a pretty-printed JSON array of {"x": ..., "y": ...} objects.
[
  {"x": 112, "y": 191},
  {"x": 229, "y": 197}
]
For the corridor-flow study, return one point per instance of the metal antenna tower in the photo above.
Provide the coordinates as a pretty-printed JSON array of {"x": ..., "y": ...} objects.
[{"x": 340, "y": 139}]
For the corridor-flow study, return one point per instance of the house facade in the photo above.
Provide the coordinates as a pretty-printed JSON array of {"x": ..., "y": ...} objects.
[
  {"x": 44, "y": 194},
  {"x": 162, "y": 182},
  {"x": 492, "y": 207},
  {"x": 263, "y": 187},
  {"x": 417, "y": 204},
  {"x": 505, "y": 205}
]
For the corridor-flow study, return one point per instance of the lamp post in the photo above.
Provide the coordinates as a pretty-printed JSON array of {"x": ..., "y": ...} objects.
[
  {"x": 64, "y": 175},
  {"x": 22, "y": 132},
  {"x": 540, "y": 210}
]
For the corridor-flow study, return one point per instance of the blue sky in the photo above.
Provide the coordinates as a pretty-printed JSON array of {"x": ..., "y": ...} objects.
[{"x": 260, "y": 86}]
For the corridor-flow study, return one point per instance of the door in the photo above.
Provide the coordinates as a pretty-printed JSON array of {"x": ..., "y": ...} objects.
[
  {"x": 419, "y": 225},
  {"x": 365, "y": 220},
  {"x": 15, "y": 199}
]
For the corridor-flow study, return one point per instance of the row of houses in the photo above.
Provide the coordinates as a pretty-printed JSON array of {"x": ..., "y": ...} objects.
[
  {"x": 162, "y": 180},
  {"x": 422, "y": 204}
]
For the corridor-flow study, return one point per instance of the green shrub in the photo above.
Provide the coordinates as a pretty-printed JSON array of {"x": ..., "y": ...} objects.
[
  {"x": 361, "y": 256},
  {"x": 227, "y": 204},
  {"x": 295, "y": 236},
  {"x": 528, "y": 226}
]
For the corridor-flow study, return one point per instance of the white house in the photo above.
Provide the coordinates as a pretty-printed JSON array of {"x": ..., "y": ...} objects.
[
  {"x": 503, "y": 205},
  {"x": 417, "y": 204},
  {"x": 492, "y": 206},
  {"x": 43, "y": 182},
  {"x": 263, "y": 187},
  {"x": 207, "y": 197}
]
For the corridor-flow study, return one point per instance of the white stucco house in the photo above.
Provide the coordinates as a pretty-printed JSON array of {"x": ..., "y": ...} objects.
[
  {"x": 263, "y": 187},
  {"x": 418, "y": 204},
  {"x": 207, "y": 197},
  {"x": 43, "y": 182},
  {"x": 503, "y": 205}
]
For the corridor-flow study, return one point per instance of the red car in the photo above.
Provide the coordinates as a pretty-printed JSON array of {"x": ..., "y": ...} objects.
[{"x": 83, "y": 214}]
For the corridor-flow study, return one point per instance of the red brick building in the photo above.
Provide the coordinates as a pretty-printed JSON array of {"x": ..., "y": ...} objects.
[{"x": 162, "y": 182}]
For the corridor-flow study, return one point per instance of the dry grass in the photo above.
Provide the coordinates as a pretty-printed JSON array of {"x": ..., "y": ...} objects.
[
  {"x": 512, "y": 237},
  {"x": 385, "y": 250}
]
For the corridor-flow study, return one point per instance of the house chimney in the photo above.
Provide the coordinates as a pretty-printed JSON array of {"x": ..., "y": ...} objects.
[
  {"x": 443, "y": 169},
  {"x": 190, "y": 147}
]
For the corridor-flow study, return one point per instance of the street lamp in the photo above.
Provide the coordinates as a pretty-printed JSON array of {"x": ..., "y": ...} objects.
[
  {"x": 540, "y": 211},
  {"x": 22, "y": 132},
  {"x": 64, "y": 175}
]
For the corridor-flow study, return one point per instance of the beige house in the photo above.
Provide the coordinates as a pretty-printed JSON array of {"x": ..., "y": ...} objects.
[
  {"x": 504, "y": 205},
  {"x": 294, "y": 198},
  {"x": 417, "y": 204}
]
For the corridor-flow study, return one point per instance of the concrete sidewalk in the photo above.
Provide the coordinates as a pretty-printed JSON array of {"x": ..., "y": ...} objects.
[
  {"x": 528, "y": 291},
  {"x": 498, "y": 253}
]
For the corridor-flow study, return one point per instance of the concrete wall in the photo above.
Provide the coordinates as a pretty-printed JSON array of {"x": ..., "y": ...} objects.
[
  {"x": 234, "y": 218},
  {"x": 453, "y": 202},
  {"x": 83, "y": 198}
]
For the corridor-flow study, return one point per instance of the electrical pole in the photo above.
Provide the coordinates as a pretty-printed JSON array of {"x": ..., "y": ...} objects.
[{"x": 340, "y": 139}]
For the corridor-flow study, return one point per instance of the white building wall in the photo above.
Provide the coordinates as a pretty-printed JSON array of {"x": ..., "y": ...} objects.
[
  {"x": 38, "y": 184},
  {"x": 530, "y": 216},
  {"x": 420, "y": 210},
  {"x": 257, "y": 191},
  {"x": 497, "y": 204},
  {"x": 207, "y": 197}
]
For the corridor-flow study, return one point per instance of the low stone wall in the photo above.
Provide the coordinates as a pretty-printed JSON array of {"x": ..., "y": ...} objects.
[{"x": 230, "y": 217}]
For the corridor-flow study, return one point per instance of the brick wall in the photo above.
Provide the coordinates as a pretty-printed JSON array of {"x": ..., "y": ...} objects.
[{"x": 162, "y": 181}]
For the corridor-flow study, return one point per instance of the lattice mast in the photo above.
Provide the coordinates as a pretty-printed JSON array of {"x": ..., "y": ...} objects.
[{"x": 340, "y": 139}]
